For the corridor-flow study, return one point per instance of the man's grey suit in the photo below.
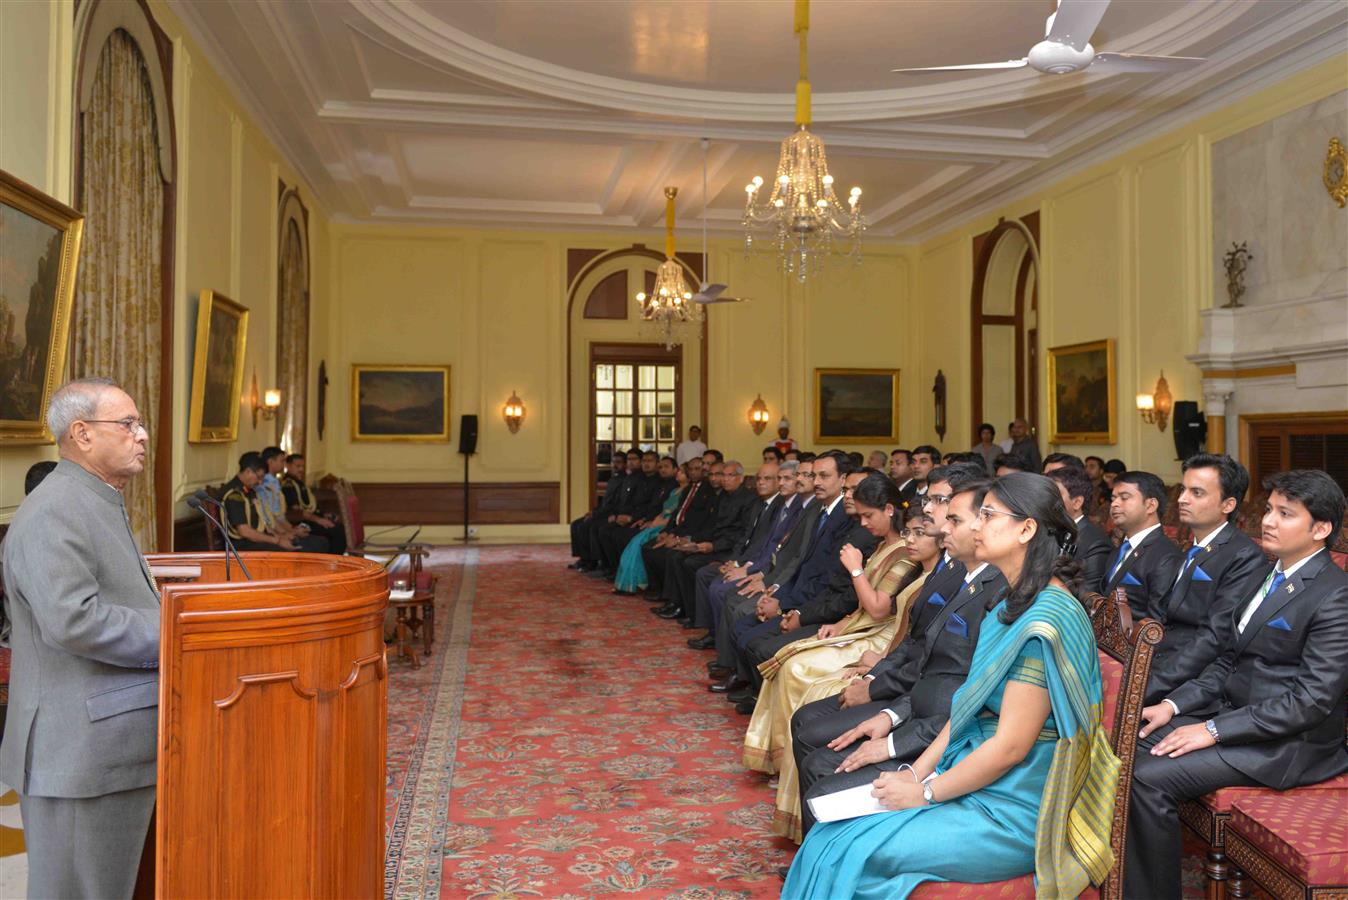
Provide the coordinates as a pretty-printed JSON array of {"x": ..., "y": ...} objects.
[{"x": 81, "y": 732}]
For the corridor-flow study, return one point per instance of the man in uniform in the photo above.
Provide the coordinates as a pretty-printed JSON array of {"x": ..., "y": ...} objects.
[
  {"x": 299, "y": 497},
  {"x": 250, "y": 527}
]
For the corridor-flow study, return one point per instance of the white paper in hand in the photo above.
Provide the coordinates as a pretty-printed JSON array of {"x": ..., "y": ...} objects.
[{"x": 849, "y": 804}]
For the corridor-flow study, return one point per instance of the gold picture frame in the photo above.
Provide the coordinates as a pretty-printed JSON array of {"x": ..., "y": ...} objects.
[
  {"x": 400, "y": 403},
  {"x": 217, "y": 369},
  {"x": 856, "y": 406},
  {"x": 1082, "y": 383},
  {"x": 39, "y": 250}
]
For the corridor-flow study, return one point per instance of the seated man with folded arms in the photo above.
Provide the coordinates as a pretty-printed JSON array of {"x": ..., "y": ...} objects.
[
  {"x": 1093, "y": 547},
  {"x": 246, "y": 519},
  {"x": 1269, "y": 710},
  {"x": 1147, "y": 561},
  {"x": 1221, "y": 570},
  {"x": 300, "y": 498}
]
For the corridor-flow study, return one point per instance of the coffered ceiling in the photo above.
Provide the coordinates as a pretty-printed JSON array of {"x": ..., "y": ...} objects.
[{"x": 576, "y": 113}]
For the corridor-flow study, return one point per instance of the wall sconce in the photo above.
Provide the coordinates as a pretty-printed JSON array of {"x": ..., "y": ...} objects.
[
  {"x": 1156, "y": 406},
  {"x": 513, "y": 412},
  {"x": 266, "y": 404},
  {"x": 758, "y": 415}
]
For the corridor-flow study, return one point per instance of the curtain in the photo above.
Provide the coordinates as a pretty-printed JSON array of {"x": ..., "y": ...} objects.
[
  {"x": 292, "y": 340},
  {"x": 116, "y": 317}
]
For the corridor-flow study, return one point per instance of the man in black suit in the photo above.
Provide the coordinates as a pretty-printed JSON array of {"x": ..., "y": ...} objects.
[
  {"x": 693, "y": 521},
  {"x": 582, "y": 529},
  {"x": 1093, "y": 545},
  {"x": 1222, "y": 569},
  {"x": 924, "y": 458},
  {"x": 735, "y": 514},
  {"x": 901, "y": 472},
  {"x": 1269, "y": 711},
  {"x": 629, "y": 507},
  {"x": 910, "y": 701},
  {"x": 1147, "y": 561}
]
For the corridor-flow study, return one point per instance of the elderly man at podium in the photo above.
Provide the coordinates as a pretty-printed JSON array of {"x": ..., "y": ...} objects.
[{"x": 80, "y": 739}]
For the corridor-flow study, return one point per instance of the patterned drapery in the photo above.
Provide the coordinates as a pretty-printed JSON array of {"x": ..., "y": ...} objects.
[
  {"x": 292, "y": 340},
  {"x": 116, "y": 317}
]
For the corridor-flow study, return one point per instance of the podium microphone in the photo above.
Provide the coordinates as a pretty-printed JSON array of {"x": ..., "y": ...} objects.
[{"x": 198, "y": 502}]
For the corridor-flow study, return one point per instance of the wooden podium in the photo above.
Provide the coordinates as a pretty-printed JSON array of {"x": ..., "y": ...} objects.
[{"x": 273, "y": 701}]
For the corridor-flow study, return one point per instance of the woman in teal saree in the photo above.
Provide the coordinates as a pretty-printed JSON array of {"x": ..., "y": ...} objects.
[
  {"x": 1022, "y": 778},
  {"x": 631, "y": 575}
]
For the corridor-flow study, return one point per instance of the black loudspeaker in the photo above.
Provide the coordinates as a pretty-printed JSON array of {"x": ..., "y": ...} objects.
[
  {"x": 468, "y": 435},
  {"x": 1191, "y": 428}
]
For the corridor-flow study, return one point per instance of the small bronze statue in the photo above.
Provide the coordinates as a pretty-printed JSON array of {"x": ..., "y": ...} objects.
[{"x": 1236, "y": 260}]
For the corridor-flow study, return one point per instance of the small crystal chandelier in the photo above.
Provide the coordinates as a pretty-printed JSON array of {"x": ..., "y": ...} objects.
[
  {"x": 670, "y": 302},
  {"x": 803, "y": 212}
]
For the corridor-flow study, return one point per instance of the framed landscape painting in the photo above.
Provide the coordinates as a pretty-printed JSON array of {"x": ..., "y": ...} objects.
[
  {"x": 217, "y": 369},
  {"x": 400, "y": 403},
  {"x": 1081, "y": 394},
  {"x": 856, "y": 406},
  {"x": 39, "y": 249}
]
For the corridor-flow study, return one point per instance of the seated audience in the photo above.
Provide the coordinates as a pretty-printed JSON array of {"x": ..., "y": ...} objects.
[
  {"x": 925, "y": 458},
  {"x": 878, "y": 460},
  {"x": 694, "y": 446},
  {"x": 36, "y": 472},
  {"x": 1269, "y": 710},
  {"x": 583, "y": 530},
  {"x": 631, "y": 575},
  {"x": 1221, "y": 570},
  {"x": 1023, "y": 444},
  {"x": 986, "y": 447},
  {"x": 640, "y": 498},
  {"x": 970, "y": 806},
  {"x": 1147, "y": 561},
  {"x": 856, "y": 459},
  {"x": 1056, "y": 461},
  {"x": 1111, "y": 471},
  {"x": 1008, "y": 463},
  {"x": 246, "y": 519},
  {"x": 710, "y": 457},
  {"x": 1093, "y": 546},
  {"x": 772, "y": 454},
  {"x": 1095, "y": 471},
  {"x": 901, "y": 471},
  {"x": 693, "y": 522},
  {"x": 299, "y": 498}
]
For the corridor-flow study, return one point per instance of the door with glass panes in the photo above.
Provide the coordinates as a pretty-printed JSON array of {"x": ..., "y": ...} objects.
[{"x": 634, "y": 402}]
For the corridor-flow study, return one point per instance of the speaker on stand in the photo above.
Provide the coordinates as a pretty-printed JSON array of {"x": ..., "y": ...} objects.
[
  {"x": 1191, "y": 428},
  {"x": 467, "y": 447}
]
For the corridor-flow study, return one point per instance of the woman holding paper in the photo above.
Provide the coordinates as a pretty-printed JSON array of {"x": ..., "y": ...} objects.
[{"x": 1023, "y": 751}]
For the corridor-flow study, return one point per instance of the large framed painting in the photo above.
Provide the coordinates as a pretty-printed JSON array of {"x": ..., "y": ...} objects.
[
  {"x": 217, "y": 369},
  {"x": 1081, "y": 394},
  {"x": 856, "y": 406},
  {"x": 39, "y": 249},
  {"x": 400, "y": 403}
]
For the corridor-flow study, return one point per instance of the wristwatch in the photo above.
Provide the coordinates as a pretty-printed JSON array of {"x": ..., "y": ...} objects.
[
  {"x": 927, "y": 794},
  {"x": 855, "y": 573},
  {"x": 1211, "y": 726}
]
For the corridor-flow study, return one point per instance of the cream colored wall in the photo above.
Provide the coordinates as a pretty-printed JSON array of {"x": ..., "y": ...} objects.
[
  {"x": 1127, "y": 255},
  {"x": 226, "y": 217}
]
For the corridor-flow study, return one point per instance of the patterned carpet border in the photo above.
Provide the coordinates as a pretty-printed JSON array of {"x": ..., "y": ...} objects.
[{"x": 412, "y": 861}]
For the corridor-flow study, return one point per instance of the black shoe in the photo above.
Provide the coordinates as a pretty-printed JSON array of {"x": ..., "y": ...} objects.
[
  {"x": 746, "y": 707},
  {"x": 739, "y": 695},
  {"x": 579, "y": 566},
  {"x": 687, "y": 623},
  {"x": 706, "y": 642},
  {"x": 719, "y": 673},
  {"x": 713, "y": 664},
  {"x": 669, "y": 611},
  {"x": 731, "y": 683},
  {"x": 622, "y": 593}
]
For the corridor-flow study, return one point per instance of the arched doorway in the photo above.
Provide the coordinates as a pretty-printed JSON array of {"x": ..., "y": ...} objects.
[{"x": 1005, "y": 345}]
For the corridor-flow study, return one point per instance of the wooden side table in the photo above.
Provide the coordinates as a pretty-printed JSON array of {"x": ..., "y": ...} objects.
[{"x": 413, "y": 618}]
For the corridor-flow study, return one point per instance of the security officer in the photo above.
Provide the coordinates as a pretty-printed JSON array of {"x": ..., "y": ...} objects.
[{"x": 299, "y": 497}]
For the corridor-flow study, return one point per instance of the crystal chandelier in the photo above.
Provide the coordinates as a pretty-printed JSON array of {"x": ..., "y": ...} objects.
[
  {"x": 670, "y": 302},
  {"x": 802, "y": 212}
]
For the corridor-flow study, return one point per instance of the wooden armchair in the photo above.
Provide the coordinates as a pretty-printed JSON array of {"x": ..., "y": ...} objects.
[
  {"x": 357, "y": 544},
  {"x": 1125, "y": 664}
]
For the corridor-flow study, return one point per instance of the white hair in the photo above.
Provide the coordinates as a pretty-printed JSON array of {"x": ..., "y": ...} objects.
[
  {"x": 75, "y": 400},
  {"x": 789, "y": 465}
]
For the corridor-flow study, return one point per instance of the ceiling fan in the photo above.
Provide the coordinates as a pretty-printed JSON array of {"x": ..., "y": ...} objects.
[
  {"x": 709, "y": 293},
  {"x": 1066, "y": 48}
]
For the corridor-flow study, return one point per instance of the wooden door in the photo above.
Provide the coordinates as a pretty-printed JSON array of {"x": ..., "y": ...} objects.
[
  {"x": 634, "y": 402},
  {"x": 1274, "y": 443}
]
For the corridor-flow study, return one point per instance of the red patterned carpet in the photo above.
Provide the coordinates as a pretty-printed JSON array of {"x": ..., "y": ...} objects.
[{"x": 558, "y": 743}]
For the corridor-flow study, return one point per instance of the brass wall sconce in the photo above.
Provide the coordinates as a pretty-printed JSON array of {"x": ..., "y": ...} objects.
[
  {"x": 265, "y": 404},
  {"x": 513, "y": 412},
  {"x": 758, "y": 415},
  {"x": 1157, "y": 406}
]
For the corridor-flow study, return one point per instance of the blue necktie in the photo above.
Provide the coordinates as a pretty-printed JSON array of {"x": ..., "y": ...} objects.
[
  {"x": 940, "y": 564},
  {"x": 819, "y": 529},
  {"x": 1124, "y": 549},
  {"x": 1188, "y": 560},
  {"x": 1277, "y": 582}
]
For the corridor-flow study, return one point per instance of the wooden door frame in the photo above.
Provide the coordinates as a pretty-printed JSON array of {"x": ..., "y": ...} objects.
[
  {"x": 1247, "y": 423},
  {"x": 983, "y": 246},
  {"x": 632, "y": 353}
]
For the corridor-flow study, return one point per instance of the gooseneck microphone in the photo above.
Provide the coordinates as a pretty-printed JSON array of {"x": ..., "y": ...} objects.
[{"x": 198, "y": 502}]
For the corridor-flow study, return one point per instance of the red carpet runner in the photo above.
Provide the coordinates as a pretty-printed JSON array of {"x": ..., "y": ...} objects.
[{"x": 559, "y": 742}]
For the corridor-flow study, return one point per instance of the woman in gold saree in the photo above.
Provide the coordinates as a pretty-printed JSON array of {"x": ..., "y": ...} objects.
[{"x": 870, "y": 627}]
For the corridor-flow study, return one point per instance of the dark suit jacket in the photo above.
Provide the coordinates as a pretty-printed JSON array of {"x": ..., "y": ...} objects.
[
  {"x": 735, "y": 514},
  {"x": 1198, "y": 611},
  {"x": 1094, "y": 549},
  {"x": 944, "y": 664},
  {"x": 792, "y": 549},
  {"x": 657, "y": 492},
  {"x": 631, "y": 494},
  {"x": 698, "y": 516},
  {"x": 820, "y": 560},
  {"x": 1147, "y": 574},
  {"x": 908, "y": 654},
  {"x": 838, "y": 596},
  {"x": 908, "y": 491},
  {"x": 607, "y": 503},
  {"x": 765, "y": 515},
  {"x": 1276, "y": 693}
]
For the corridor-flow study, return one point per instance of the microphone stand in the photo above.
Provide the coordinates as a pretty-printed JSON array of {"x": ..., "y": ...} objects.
[{"x": 197, "y": 504}]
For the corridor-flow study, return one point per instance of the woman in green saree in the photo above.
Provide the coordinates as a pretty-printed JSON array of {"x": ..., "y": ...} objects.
[{"x": 1022, "y": 778}]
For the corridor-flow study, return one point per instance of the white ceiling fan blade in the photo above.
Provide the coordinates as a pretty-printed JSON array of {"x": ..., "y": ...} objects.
[
  {"x": 722, "y": 300},
  {"x": 1140, "y": 62},
  {"x": 1075, "y": 22},
  {"x": 971, "y": 67},
  {"x": 709, "y": 293}
]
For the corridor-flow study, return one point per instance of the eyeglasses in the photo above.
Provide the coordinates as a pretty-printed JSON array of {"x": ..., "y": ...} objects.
[
  {"x": 985, "y": 514},
  {"x": 938, "y": 499},
  {"x": 808, "y": 475},
  {"x": 130, "y": 423}
]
